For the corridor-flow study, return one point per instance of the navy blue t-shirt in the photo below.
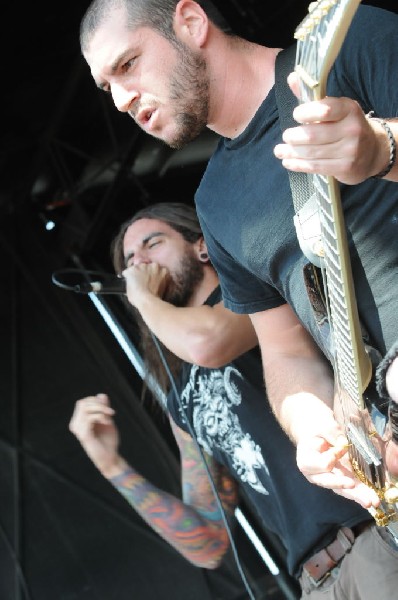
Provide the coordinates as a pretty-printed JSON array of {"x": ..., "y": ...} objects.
[
  {"x": 233, "y": 422},
  {"x": 245, "y": 206}
]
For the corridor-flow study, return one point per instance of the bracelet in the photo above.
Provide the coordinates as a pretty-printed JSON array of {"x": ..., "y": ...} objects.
[{"x": 392, "y": 143}]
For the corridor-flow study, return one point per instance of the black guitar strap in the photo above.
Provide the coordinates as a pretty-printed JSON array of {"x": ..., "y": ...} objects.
[
  {"x": 306, "y": 218},
  {"x": 299, "y": 182}
]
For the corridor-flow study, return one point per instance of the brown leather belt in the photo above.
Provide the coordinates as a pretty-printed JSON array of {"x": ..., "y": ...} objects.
[{"x": 319, "y": 566}]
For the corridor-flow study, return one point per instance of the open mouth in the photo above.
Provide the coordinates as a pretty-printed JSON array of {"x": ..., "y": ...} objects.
[{"x": 145, "y": 117}]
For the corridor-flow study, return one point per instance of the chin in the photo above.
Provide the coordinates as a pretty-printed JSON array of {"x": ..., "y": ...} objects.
[
  {"x": 182, "y": 140},
  {"x": 179, "y": 137},
  {"x": 169, "y": 141}
]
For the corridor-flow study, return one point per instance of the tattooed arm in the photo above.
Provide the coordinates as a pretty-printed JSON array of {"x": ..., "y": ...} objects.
[{"x": 193, "y": 526}]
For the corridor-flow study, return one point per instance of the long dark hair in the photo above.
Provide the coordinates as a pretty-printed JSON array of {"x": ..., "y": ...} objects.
[{"x": 183, "y": 219}]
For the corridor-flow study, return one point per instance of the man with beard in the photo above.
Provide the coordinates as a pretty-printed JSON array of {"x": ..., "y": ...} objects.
[
  {"x": 175, "y": 71},
  {"x": 171, "y": 283}
]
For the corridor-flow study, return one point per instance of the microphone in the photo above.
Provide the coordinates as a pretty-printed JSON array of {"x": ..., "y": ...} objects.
[
  {"x": 112, "y": 285},
  {"x": 83, "y": 281}
]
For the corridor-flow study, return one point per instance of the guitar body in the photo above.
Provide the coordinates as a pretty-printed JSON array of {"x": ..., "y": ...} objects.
[
  {"x": 319, "y": 39},
  {"x": 367, "y": 451}
]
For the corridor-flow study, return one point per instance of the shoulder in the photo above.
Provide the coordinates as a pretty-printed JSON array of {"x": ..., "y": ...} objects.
[{"x": 370, "y": 20}]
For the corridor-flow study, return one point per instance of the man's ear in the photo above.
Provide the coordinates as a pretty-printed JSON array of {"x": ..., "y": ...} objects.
[
  {"x": 201, "y": 250},
  {"x": 191, "y": 23}
]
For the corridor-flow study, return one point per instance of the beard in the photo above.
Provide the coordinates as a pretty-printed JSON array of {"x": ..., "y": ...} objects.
[
  {"x": 184, "y": 281},
  {"x": 189, "y": 89}
]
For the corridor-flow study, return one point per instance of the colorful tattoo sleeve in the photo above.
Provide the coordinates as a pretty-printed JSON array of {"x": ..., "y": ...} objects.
[{"x": 194, "y": 525}]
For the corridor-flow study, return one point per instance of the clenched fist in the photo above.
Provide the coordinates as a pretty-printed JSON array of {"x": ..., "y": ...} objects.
[
  {"x": 92, "y": 423},
  {"x": 144, "y": 279}
]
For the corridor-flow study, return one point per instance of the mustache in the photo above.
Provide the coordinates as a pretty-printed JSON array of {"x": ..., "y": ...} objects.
[{"x": 141, "y": 107}]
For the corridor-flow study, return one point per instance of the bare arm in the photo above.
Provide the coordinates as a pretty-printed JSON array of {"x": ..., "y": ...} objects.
[
  {"x": 299, "y": 380},
  {"x": 194, "y": 526},
  {"x": 203, "y": 335},
  {"x": 300, "y": 389}
]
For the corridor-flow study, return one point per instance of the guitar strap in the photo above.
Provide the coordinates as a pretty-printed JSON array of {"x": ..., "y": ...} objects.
[
  {"x": 286, "y": 102},
  {"x": 306, "y": 218}
]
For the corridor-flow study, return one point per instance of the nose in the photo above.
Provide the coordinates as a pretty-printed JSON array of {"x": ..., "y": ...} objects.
[
  {"x": 140, "y": 258},
  {"x": 123, "y": 98}
]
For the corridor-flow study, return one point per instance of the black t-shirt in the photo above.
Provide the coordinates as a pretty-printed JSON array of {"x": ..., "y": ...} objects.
[
  {"x": 233, "y": 422},
  {"x": 245, "y": 206}
]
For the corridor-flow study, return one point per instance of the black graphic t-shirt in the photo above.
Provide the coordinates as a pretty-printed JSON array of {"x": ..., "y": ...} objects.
[{"x": 229, "y": 413}]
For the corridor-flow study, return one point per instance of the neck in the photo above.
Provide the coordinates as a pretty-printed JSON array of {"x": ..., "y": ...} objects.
[
  {"x": 205, "y": 287},
  {"x": 241, "y": 76}
]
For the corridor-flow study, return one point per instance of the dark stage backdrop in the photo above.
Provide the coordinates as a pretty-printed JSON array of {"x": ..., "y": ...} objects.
[{"x": 64, "y": 532}]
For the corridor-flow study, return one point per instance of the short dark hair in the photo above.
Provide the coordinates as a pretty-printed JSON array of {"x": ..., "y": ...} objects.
[
  {"x": 181, "y": 217},
  {"x": 156, "y": 14}
]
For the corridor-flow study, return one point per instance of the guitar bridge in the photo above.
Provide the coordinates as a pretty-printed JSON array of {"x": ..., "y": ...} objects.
[
  {"x": 366, "y": 460},
  {"x": 368, "y": 467}
]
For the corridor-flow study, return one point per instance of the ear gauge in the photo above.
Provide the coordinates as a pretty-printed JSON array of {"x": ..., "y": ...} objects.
[{"x": 204, "y": 257}]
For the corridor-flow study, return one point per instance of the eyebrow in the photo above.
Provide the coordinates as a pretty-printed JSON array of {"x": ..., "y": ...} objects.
[
  {"x": 144, "y": 243},
  {"x": 115, "y": 64},
  {"x": 120, "y": 59}
]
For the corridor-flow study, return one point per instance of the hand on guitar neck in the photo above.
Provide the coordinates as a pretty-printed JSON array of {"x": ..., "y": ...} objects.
[{"x": 335, "y": 138}]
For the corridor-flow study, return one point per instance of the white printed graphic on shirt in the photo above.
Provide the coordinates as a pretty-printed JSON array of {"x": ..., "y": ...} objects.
[{"x": 216, "y": 426}]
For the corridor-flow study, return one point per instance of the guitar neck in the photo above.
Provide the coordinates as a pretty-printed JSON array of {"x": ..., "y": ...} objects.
[
  {"x": 353, "y": 364},
  {"x": 319, "y": 39}
]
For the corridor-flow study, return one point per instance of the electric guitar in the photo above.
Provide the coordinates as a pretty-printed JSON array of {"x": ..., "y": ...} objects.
[{"x": 319, "y": 39}]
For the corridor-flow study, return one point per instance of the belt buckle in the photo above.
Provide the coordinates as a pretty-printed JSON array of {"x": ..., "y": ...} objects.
[
  {"x": 313, "y": 584},
  {"x": 332, "y": 555},
  {"x": 316, "y": 583}
]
